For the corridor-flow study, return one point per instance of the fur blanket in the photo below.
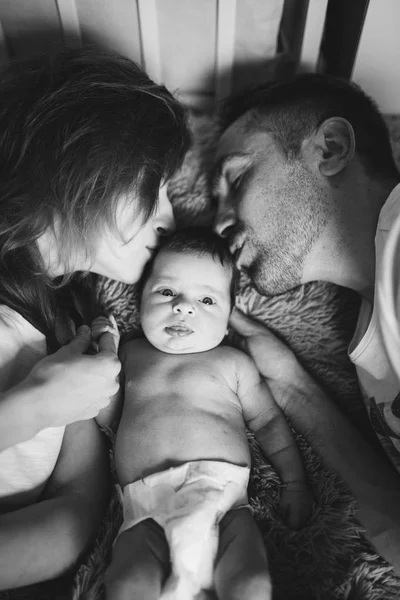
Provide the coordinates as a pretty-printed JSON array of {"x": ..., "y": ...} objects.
[{"x": 330, "y": 557}]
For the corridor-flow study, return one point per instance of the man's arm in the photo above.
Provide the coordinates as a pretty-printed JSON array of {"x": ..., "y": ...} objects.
[
  {"x": 265, "y": 418},
  {"x": 44, "y": 540},
  {"x": 374, "y": 483}
]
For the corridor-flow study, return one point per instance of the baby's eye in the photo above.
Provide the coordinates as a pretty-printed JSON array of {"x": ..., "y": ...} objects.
[
  {"x": 207, "y": 300},
  {"x": 166, "y": 292}
]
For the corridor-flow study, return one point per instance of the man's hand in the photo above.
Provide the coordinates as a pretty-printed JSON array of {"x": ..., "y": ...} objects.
[
  {"x": 296, "y": 502},
  {"x": 274, "y": 359}
]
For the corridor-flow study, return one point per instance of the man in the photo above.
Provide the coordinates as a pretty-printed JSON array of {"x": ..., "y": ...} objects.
[{"x": 305, "y": 179}]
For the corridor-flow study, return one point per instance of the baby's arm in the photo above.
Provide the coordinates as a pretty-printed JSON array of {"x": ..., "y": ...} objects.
[{"x": 263, "y": 416}]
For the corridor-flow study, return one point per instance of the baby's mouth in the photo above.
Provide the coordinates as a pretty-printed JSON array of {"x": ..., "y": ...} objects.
[{"x": 179, "y": 329}]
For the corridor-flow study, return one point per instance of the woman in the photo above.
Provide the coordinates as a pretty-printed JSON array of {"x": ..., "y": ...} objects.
[{"x": 86, "y": 142}]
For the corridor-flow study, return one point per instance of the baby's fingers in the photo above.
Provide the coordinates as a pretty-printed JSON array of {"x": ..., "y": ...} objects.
[{"x": 105, "y": 334}]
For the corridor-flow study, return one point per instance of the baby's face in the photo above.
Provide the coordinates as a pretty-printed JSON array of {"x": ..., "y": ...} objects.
[{"x": 185, "y": 303}]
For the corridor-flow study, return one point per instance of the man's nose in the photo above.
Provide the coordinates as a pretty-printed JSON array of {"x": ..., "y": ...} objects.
[
  {"x": 183, "y": 306},
  {"x": 225, "y": 220},
  {"x": 164, "y": 222}
]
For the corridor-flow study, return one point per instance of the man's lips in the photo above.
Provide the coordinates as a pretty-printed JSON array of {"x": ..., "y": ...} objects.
[
  {"x": 236, "y": 251},
  {"x": 179, "y": 329}
]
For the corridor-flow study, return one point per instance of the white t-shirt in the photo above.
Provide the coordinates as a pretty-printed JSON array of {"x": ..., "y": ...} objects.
[
  {"x": 379, "y": 384},
  {"x": 25, "y": 467}
]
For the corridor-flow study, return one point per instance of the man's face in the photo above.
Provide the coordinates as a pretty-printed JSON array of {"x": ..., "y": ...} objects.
[
  {"x": 185, "y": 303},
  {"x": 272, "y": 210}
]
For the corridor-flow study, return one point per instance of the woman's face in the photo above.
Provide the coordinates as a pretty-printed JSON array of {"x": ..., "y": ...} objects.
[
  {"x": 121, "y": 257},
  {"x": 125, "y": 261}
]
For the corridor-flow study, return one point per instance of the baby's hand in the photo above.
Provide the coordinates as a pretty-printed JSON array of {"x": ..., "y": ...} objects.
[
  {"x": 295, "y": 503},
  {"x": 102, "y": 325}
]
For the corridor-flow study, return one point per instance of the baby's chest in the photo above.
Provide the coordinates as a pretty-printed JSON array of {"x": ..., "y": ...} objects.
[{"x": 188, "y": 376}]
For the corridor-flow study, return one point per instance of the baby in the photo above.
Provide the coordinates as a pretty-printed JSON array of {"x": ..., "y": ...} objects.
[{"x": 182, "y": 456}]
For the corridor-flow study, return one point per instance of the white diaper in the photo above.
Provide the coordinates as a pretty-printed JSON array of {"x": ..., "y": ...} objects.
[{"x": 188, "y": 502}]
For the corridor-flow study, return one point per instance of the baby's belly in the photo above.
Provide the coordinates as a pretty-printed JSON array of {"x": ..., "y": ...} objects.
[{"x": 143, "y": 447}]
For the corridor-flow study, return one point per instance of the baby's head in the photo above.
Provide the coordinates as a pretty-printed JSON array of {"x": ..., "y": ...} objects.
[{"x": 188, "y": 291}]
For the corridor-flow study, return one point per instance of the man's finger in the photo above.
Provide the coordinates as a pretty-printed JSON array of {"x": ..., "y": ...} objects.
[
  {"x": 244, "y": 325},
  {"x": 81, "y": 342}
]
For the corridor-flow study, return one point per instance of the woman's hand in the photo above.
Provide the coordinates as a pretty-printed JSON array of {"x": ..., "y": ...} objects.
[{"x": 71, "y": 386}]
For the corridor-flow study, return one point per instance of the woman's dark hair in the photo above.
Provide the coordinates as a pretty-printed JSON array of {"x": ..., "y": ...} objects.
[
  {"x": 199, "y": 241},
  {"x": 80, "y": 133},
  {"x": 291, "y": 109}
]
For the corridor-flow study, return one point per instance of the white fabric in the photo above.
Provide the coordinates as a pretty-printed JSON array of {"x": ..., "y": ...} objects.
[
  {"x": 25, "y": 467},
  {"x": 188, "y": 502},
  {"x": 378, "y": 382}
]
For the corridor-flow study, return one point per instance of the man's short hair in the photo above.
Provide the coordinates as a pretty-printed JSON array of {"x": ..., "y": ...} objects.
[
  {"x": 198, "y": 241},
  {"x": 291, "y": 109}
]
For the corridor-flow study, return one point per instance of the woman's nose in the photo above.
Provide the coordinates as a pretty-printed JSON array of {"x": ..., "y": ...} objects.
[{"x": 164, "y": 222}]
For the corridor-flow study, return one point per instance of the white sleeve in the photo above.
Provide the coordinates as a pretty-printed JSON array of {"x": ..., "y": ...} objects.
[{"x": 21, "y": 347}]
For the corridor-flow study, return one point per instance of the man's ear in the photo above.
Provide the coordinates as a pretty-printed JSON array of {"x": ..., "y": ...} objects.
[{"x": 334, "y": 145}]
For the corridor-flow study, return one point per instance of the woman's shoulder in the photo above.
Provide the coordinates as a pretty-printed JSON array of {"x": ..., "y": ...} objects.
[
  {"x": 13, "y": 326},
  {"x": 21, "y": 347}
]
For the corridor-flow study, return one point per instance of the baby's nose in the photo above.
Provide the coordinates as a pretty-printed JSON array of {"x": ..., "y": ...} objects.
[{"x": 182, "y": 306}]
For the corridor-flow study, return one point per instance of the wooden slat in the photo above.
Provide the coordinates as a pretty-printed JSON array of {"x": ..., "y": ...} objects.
[
  {"x": 4, "y": 60},
  {"x": 150, "y": 39},
  {"x": 111, "y": 24},
  {"x": 378, "y": 55},
  {"x": 69, "y": 23},
  {"x": 31, "y": 28},
  {"x": 225, "y": 47},
  {"x": 313, "y": 31}
]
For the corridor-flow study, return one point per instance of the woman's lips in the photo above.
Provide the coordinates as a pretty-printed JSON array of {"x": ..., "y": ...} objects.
[{"x": 179, "y": 329}]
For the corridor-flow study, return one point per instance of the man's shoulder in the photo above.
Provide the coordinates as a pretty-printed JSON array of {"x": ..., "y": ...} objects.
[{"x": 390, "y": 210}]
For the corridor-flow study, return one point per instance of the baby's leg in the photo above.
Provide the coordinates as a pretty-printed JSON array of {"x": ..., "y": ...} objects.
[
  {"x": 242, "y": 567},
  {"x": 139, "y": 565}
]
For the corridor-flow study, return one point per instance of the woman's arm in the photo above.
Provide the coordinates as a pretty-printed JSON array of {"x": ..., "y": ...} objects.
[
  {"x": 62, "y": 388},
  {"x": 44, "y": 540}
]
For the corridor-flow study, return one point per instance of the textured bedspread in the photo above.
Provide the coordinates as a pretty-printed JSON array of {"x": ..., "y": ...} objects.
[{"x": 329, "y": 558}]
